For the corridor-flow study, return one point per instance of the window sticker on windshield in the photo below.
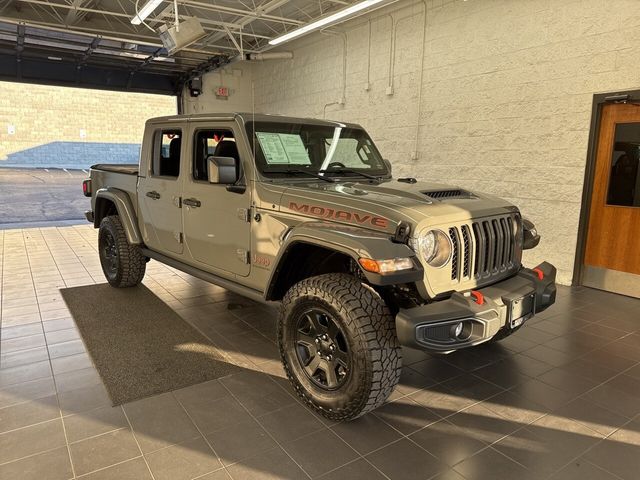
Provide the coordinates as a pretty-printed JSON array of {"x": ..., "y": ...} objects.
[
  {"x": 295, "y": 149},
  {"x": 283, "y": 148}
]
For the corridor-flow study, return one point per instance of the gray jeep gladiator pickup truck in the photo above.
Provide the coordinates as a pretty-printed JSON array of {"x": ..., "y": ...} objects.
[{"x": 306, "y": 213}]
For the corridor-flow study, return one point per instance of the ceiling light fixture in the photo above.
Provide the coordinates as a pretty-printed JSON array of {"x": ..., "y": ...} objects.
[
  {"x": 323, "y": 22},
  {"x": 145, "y": 11}
]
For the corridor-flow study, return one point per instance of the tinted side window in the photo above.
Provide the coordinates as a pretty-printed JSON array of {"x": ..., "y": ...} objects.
[
  {"x": 219, "y": 143},
  {"x": 166, "y": 153}
]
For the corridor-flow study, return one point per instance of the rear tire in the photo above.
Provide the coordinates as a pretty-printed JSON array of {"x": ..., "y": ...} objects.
[
  {"x": 123, "y": 264},
  {"x": 338, "y": 345}
]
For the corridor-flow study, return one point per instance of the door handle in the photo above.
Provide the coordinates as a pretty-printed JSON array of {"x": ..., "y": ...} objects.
[
  {"x": 153, "y": 194},
  {"x": 191, "y": 202}
]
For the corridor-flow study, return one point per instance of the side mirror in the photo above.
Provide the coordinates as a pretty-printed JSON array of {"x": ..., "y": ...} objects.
[
  {"x": 389, "y": 166},
  {"x": 531, "y": 239},
  {"x": 222, "y": 170}
]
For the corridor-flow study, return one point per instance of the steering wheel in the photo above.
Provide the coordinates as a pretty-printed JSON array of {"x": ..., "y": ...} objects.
[{"x": 336, "y": 164}]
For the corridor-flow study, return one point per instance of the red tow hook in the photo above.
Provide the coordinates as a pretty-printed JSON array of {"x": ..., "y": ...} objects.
[
  {"x": 478, "y": 297},
  {"x": 539, "y": 272}
]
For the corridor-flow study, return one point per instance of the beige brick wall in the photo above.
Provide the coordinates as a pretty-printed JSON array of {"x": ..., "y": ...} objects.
[
  {"x": 507, "y": 90},
  {"x": 43, "y": 114}
]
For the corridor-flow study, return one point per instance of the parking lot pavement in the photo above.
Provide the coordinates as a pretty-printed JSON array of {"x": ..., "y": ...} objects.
[{"x": 30, "y": 197}]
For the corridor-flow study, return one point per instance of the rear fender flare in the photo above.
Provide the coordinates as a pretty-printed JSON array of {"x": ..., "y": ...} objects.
[{"x": 125, "y": 210}]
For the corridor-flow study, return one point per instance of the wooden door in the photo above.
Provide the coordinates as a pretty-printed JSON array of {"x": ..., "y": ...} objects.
[{"x": 612, "y": 255}]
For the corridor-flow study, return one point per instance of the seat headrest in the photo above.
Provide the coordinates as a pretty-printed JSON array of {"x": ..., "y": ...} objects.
[
  {"x": 174, "y": 148},
  {"x": 227, "y": 148}
]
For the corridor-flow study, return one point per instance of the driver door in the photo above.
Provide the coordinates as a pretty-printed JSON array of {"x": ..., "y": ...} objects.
[{"x": 217, "y": 226}]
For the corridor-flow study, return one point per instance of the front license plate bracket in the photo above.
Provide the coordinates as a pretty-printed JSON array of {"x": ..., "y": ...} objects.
[{"x": 521, "y": 309}]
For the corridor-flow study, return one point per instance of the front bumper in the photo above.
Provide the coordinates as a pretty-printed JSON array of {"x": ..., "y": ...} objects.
[{"x": 507, "y": 304}]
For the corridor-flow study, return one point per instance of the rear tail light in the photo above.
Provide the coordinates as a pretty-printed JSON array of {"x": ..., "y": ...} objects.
[{"x": 86, "y": 188}]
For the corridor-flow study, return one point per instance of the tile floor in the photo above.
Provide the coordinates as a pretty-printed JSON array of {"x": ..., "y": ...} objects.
[{"x": 560, "y": 399}]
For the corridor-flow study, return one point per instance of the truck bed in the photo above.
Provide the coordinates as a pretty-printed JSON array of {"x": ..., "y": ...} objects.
[{"x": 128, "y": 168}]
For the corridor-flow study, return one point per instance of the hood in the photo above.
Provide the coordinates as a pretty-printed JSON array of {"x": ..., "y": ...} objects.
[{"x": 383, "y": 206}]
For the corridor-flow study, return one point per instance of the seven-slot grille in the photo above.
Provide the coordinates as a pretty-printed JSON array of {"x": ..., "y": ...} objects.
[{"x": 482, "y": 248}]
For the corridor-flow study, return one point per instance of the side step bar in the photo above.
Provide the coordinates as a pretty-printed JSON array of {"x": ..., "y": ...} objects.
[{"x": 206, "y": 276}]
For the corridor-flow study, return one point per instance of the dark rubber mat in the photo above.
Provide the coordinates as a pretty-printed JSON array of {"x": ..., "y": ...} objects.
[{"x": 138, "y": 344}]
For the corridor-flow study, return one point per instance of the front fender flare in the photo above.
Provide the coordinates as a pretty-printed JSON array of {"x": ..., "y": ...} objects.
[
  {"x": 125, "y": 210},
  {"x": 354, "y": 242}
]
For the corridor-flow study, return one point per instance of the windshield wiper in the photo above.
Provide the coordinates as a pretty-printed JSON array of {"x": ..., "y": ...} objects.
[
  {"x": 293, "y": 171},
  {"x": 348, "y": 170}
]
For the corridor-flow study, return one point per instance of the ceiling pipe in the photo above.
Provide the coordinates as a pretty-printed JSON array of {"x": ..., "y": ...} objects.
[{"x": 261, "y": 57}]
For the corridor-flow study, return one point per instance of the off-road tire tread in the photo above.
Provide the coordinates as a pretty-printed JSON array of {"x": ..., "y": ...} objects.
[
  {"x": 367, "y": 315},
  {"x": 133, "y": 263}
]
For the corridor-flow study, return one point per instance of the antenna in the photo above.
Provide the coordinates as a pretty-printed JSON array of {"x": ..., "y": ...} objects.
[{"x": 253, "y": 122}]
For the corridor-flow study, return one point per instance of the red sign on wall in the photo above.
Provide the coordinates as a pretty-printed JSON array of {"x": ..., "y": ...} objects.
[{"x": 222, "y": 92}]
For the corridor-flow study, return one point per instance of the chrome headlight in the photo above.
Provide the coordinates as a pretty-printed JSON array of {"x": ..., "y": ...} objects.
[{"x": 435, "y": 248}]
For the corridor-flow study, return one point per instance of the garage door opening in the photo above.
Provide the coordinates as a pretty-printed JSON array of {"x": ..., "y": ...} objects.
[{"x": 52, "y": 135}]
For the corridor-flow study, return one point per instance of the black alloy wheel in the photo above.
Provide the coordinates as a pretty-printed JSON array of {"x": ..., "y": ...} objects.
[
  {"x": 322, "y": 349},
  {"x": 109, "y": 251}
]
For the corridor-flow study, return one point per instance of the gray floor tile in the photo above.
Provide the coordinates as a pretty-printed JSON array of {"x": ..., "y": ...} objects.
[
  {"x": 447, "y": 442},
  {"x": 257, "y": 392},
  {"x": 51, "y": 465},
  {"x": 406, "y": 415},
  {"x": 71, "y": 363},
  {"x": 85, "y": 377},
  {"x": 83, "y": 399},
  {"x": 580, "y": 469},
  {"x": 21, "y": 331},
  {"x": 29, "y": 413},
  {"x": 94, "y": 422},
  {"x": 210, "y": 415},
  {"x": 22, "y": 343},
  {"x": 66, "y": 348},
  {"x": 159, "y": 422},
  {"x": 24, "y": 357},
  {"x": 366, "y": 433},
  {"x": 26, "y": 391},
  {"x": 102, "y": 451},
  {"x": 271, "y": 465},
  {"x": 320, "y": 452},
  {"x": 184, "y": 461},
  {"x": 24, "y": 373},
  {"x": 135, "y": 469},
  {"x": 290, "y": 423},
  {"x": 358, "y": 470},
  {"x": 618, "y": 454},
  {"x": 242, "y": 440},
  {"x": 30, "y": 440},
  {"x": 405, "y": 460},
  {"x": 491, "y": 464}
]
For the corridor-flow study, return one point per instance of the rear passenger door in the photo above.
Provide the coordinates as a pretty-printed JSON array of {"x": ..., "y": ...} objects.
[{"x": 159, "y": 191}]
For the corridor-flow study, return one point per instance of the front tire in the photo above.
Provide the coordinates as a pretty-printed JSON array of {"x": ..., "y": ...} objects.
[
  {"x": 338, "y": 345},
  {"x": 123, "y": 264}
]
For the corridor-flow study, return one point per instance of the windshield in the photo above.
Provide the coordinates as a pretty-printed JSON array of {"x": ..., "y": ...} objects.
[{"x": 290, "y": 148}]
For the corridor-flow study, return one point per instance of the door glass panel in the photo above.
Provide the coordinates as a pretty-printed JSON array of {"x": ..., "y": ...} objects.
[
  {"x": 219, "y": 143},
  {"x": 166, "y": 153},
  {"x": 624, "y": 176}
]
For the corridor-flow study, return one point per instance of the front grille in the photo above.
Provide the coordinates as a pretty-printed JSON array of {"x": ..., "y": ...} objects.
[{"x": 482, "y": 248}]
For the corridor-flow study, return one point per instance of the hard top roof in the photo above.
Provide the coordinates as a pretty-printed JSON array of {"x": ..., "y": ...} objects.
[{"x": 247, "y": 117}]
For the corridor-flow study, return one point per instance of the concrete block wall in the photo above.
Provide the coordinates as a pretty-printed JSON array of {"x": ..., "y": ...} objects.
[
  {"x": 48, "y": 122},
  {"x": 236, "y": 77},
  {"x": 507, "y": 89}
]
